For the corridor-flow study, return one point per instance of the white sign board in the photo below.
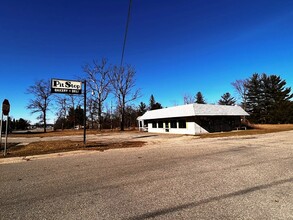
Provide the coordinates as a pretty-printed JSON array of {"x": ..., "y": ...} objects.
[{"x": 65, "y": 86}]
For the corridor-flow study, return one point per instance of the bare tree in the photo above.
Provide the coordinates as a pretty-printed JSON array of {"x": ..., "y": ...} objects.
[
  {"x": 241, "y": 89},
  {"x": 92, "y": 109},
  {"x": 188, "y": 99},
  {"x": 99, "y": 84},
  {"x": 41, "y": 90},
  {"x": 123, "y": 83},
  {"x": 62, "y": 108}
]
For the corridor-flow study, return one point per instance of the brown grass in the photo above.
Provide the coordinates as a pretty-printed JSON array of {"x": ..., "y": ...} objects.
[
  {"x": 46, "y": 147},
  {"x": 67, "y": 132},
  {"x": 257, "y": 129}
]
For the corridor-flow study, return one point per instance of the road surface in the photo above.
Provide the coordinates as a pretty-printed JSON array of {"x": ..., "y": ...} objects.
[{"x": 181, "y": 177}]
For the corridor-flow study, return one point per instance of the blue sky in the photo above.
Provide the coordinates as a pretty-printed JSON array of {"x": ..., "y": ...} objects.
[{"x": 177, "y": 46}]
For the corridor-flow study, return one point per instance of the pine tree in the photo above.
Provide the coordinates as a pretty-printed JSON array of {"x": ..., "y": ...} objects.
[
  {"x": 153, "y": 104},
  {"x": 268, "y": 101},
  {"x": 199, "y": 99},
  {"x": 227, "y": 99},
  {"x": 142, "y": 108}
]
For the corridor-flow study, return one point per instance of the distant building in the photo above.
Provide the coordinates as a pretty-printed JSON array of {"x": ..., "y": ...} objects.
[{"x": 192, "y": 119}]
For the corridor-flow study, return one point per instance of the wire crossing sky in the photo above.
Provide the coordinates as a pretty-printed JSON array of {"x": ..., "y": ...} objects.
[
  {"x": 177, "y": 47},
  {"x": 126, "y": 31}
]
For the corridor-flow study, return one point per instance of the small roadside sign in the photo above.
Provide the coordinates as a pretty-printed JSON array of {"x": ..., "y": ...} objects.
[
  {"x": 5, "y": 107},
  {"x": 5, "y": 111}
]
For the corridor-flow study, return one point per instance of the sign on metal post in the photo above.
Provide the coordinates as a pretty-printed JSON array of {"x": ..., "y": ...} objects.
[
  {"x": 1, "y": 130},
  {"x": 65, "y": 86},
  {"x": 71, "y": 87},
  {"x": 5, "y": 107},
  {"x": 5, "y": 111}
]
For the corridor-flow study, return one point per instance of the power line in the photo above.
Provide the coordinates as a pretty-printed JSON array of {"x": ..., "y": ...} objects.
[{"x": 126, "y": 31}]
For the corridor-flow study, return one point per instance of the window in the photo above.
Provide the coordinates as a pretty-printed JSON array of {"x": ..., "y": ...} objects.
[
  {"x": 173, "y": 124},
  {"x": 182, "y": 123},
  {"x": 166, "y": 124},
  {"x": 154, "y": 124},
  {"x": 160, "y": 124}
]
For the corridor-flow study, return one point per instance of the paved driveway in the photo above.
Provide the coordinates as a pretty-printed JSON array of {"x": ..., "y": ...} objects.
[{"x": 172, "y": 177}]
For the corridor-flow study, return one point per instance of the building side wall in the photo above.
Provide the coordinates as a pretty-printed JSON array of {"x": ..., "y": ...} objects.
[
  {"x": 191, "y": 128},
  {"x": 194, "y": 125}
]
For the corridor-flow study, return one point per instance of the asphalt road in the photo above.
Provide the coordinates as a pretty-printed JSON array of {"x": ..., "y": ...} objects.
[{"x": 178, "y": 178}]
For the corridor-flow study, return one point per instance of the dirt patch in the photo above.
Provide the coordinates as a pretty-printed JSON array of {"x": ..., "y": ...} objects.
[{"x": 46, "y": 147}]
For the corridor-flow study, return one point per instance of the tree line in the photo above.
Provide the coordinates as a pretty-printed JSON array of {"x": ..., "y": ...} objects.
[
  {"x": 265, "y": 97},
  {"x": 102, "y": 79}
]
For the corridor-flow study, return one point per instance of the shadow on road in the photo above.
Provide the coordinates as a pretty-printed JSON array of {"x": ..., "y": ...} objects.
[{"x": 212, "y": 199}]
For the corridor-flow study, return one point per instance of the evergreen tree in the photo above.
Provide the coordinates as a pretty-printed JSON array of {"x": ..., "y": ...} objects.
[
  {"x": 268, "y": 101},
  {"x": 75, "y": 116},
  {"x": 199, "y": 99},
  {"x": 142, "y": 108},
  {"x": 227, "y": 99},
  {"x": 277, "y": 99},
  {"x": 152, "y": 101},
  {"x": 153, "y": 104},
  {"x": 254, "y": 97}
]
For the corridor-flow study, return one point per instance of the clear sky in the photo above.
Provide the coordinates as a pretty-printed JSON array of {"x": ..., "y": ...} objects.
[{"x": 177, "y": 46}]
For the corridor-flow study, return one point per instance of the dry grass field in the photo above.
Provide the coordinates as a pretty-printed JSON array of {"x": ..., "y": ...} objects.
[
  {"x": 18, "y": 149},
  {"x": 257, "y": 129}
]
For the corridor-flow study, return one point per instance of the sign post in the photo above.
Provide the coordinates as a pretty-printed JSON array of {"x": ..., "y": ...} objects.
[
  {"x": 1, "y": 130},
  {"x": 71, "y": 87},
  {"x": 84, "y": 114},
  {"x": 5, "y": 111}
]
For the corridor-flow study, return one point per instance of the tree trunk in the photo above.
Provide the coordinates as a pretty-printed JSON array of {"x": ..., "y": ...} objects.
[
  {"x": 99, "y": 116},
  {"x": 122, "y": 116},
  {"x": 44, "y": 117},
  {"x": 122, "y": 120},
  {"x": 45, "y": 124}
]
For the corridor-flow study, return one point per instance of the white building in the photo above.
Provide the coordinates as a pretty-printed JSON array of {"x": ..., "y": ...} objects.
[{"x": 192, "y": 119}]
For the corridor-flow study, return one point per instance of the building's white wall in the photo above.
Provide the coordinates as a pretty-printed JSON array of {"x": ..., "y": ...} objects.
[
  {"x": 191, "y": 128},
  {"x": 198, "y": 129},
  {"x": 155, "y": 130}
]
